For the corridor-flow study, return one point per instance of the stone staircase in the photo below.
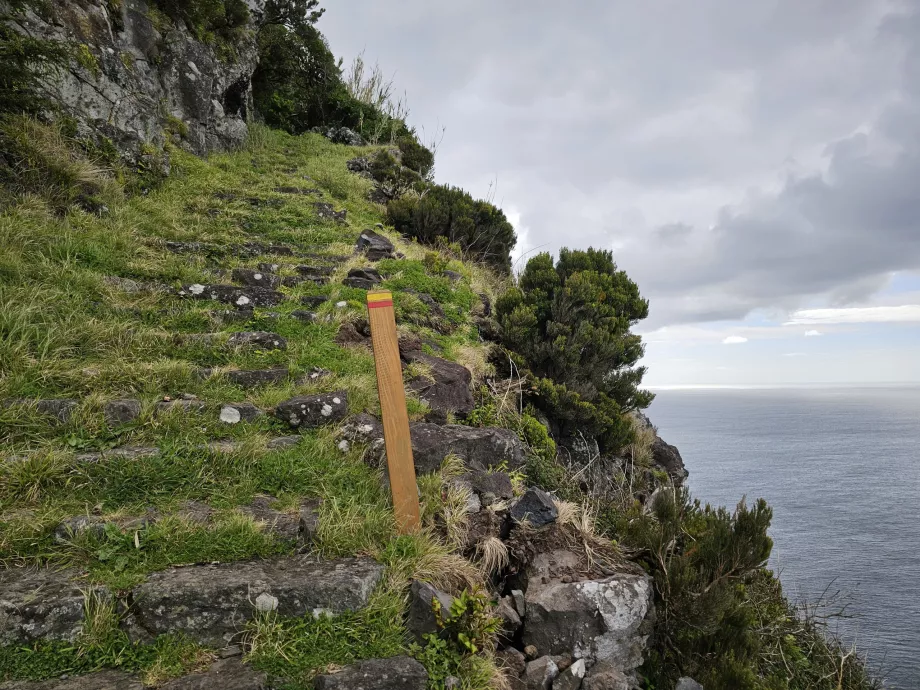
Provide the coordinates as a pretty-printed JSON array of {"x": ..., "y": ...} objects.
[{"x": 212, "y": 603}]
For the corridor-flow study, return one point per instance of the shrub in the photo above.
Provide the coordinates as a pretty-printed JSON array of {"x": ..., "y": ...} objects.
[
  {"x": 22, "y": 60},
  {"x": 700, "y": 558},
  {"x": 208, "y": 19},
  {"x": 570, "y": 322},
  {"x": 391, "y": 179},
  {"x": 415, "y": 156},
  {"x": 478, "y": 227}
]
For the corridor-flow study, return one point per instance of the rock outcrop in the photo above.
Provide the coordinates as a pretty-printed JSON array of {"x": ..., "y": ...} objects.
[
  {"x": 138, "y": 82},
  {"x": 395, "y": 673}
]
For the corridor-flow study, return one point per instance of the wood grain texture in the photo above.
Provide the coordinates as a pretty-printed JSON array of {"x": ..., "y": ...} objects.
[{"x": 393, "y": 410}]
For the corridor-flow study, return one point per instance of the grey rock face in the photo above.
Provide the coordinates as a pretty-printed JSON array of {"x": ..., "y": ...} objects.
[
  {"x": 241, "y": 297},
  {"x": 225, "y": 674},
  {"x": 41, "y": 604},
  {"x": 537, "y": 507},
  {"x": 313, "y": 410},
  {"x": 447, "y": 388},
  {"x": 595, "y": 620},
  {"x": 103, "y": 680},
  {"x": 421, "y": 619},
  {"x": 262, "y": 340},
  {"x": 211, "y": 603},
  {"x": 513, "y": 661},
  {"x": 605, "y": 676},
  {"x": 396, "y": 673},
  {"x": 142, "y": 82},
  {"x": 256, "y": 278},
  {"x": 375, "y": 246},
  {"x": 687, "y": 684},
  {"x": 118, "y": 412},
  {"x": 540, "y": 674},
  {"x": 487, "y": 446},
  {"x": 511, "y": 621}
]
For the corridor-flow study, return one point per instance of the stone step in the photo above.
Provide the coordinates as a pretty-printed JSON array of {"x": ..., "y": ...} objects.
[
  {"x": 248, "y": 378},
  {"x": 256, "y": 278},
  {"x": 395, "y": 673},
  {"x": 231, "y": 294},
  {"x": 299, "y": 526},
  {"x": 210, "y": 604}
]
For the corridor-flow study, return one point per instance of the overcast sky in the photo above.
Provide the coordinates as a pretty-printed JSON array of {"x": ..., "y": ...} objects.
[{"x": 754, "y": 166}]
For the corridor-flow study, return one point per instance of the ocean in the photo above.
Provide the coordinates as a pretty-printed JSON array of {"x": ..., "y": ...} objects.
[{"x": 841, "y": 469}]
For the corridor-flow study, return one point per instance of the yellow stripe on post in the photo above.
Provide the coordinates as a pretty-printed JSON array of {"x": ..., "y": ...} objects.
[{"x": 393, "y": 410}]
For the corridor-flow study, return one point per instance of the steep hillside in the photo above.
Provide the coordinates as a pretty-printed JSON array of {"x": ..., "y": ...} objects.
[{"x": 193, "y": 490}]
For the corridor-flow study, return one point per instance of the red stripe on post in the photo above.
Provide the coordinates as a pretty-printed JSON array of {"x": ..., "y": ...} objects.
[{"x": 375, "y": 305}]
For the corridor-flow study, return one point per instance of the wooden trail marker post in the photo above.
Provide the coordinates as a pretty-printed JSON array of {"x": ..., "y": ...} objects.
[{"x": 393, "y": 409}]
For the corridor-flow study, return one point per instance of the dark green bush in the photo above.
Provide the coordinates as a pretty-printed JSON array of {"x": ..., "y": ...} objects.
[
  {"x": 570, "y": 322},
  {"x": 700, "y": 558},
  {"x": 415, "y": 156},
  {"x": 208, "y": 19},
  {"x": 23, "y": 59},
  {"x": 478, "y": 227},
  {"x": 392, "y": 179}
]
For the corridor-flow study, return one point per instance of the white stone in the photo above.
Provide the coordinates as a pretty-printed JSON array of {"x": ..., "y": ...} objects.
[
  {"x": 257, "y": 276},
  {"x": 578, "y": 669},
  {"x": 343, "y": 446},
  {"x": 192, "y": 66},
  {"x": 327, "y": 410},
  {"x": 230, "y": 415},
  {"x": 266, "y": 602},
  {"x": 341, "y": 305},
  {"x": 337, "y": 401},
  {"x": 243, "y": 299},
  {"x": 196, "y": 289}
]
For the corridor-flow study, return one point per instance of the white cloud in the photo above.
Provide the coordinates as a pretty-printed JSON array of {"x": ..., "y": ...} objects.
[
  {"x": 902, "y": 314},
  {"x": 734, "y": 340},
  {"x": 812, "y": 334},
  {"x": 794, "y": 354}
]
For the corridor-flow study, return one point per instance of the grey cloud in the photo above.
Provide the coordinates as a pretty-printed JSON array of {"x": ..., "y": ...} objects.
[{"x": 737, "y": 156}]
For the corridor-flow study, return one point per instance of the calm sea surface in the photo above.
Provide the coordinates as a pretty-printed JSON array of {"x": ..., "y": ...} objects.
[{"x": 841, "y": 469}]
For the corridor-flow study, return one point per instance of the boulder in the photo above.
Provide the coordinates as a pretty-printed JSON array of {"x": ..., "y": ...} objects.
[
  {"x": 101, "y": 680},
  {"x": 234, "y": 413},
  {"x": 78, "y": 525},
  {"x": 314, "y": 301},
  {"x": 300, "y": 526},
  {"x": 446, "y": 388},
  {"x": 340, "y": 135},
  {"x": 374, "y": 245},
  {"x": 395, "y": 673},
  {"x": 512, "y": 660},
  {"x": 211, "y": 603},
  {"x": 687, "y": 684},
  {"x": 571, "y": 677},
  {"x": 511, "y": 621},
  {"x": 496, "y": 483},
  {"x": 230, "y": 294},
  {"x": 605, "y": 676},
  {"x": 43, "y": 604},
  {"x": 124, "y": 411},
  {"x": 313, "y": 410},
  {"x": 260, "y": 340},
  {"x": 539, "y": 674},
  {"x": 667, "y": 457},
  {"x": 363, "y": 278},
  {"x": 596, "y": 620},
  {"x": 256, "y": 278},
  {"x": 303, "y": 315},
  {"x": 266, "y": 267},
  {"x": 328, "y": 212},
  {"x": 224, "y": 674},
  {"x": 421, "y": 618},
  {"x": 488, "y": 446},
  {"x": 536, "y": 506}
]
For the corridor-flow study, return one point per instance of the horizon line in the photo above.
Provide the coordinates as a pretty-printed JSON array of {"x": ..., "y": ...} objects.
[{"x": 775, "y": 386}]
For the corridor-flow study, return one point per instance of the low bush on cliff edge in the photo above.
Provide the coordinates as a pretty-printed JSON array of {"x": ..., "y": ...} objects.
[
  {"x": 570, "y": 323},
  {"x": 442, "y": 211}
]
